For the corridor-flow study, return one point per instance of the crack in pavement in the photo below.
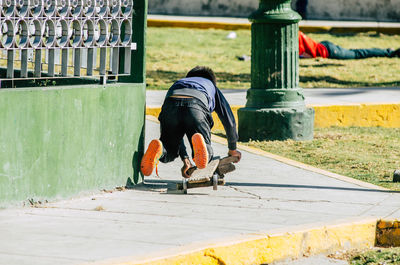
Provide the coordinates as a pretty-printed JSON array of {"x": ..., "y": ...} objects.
[
  {"x": 44, "y": 256},
  {"x": 374, "y": 205},
  {"x": 246, "y": 192}
]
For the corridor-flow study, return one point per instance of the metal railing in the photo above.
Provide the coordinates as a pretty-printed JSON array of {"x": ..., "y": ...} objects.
[{"x": 50, "y": 39}]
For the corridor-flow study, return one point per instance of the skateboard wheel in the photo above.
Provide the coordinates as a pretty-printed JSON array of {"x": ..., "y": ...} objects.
[{"x": 184, "y": 185}]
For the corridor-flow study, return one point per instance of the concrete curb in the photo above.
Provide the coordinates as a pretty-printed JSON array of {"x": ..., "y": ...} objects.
[
  {"x": 264, "y": 248},
  {"x": 362, "y": 115},
  {"x": 152, "y": 22},
  {"x": 196, "y": 24}
]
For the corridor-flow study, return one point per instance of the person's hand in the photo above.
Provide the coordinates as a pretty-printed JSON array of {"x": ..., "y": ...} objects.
[
  {"x": 186, "y": 165},
  {"x": 235, "y": 153}
]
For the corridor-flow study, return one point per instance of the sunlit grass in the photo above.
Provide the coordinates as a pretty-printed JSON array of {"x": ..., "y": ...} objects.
[
  {"x": 171, "y": 52},
  {"x": 367, "y": 154},
  {"x": 376, "y": 257}
]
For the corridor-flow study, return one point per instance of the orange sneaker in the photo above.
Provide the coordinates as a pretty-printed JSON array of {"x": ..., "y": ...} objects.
[
  {"x": 150, "y": 158},
  {"x": 200, "y": 151}
]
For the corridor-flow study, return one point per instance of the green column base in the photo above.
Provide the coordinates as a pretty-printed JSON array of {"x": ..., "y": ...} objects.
[{"x": 276, "y": 124}]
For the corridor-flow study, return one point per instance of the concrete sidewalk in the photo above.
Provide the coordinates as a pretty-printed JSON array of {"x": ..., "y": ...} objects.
[{"x": 154, "y": 220}]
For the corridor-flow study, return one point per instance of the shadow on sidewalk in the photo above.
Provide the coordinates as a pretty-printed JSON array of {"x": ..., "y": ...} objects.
[
  {"x": 170, "y": 186},
  {"x": 294, "y": 186},
  {"x": 163, "y": 186}
]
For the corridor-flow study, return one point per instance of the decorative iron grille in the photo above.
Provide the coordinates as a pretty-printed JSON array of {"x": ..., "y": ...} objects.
[{"x": 65, "y": 38}]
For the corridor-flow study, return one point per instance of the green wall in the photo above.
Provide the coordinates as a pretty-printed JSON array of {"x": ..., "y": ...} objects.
[{"x": 58, "y": 141}]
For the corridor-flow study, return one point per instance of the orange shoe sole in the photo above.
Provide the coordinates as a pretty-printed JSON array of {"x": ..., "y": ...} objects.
[
  {"x": 150, "y": 158},
  {"x": 200, "y": 151}
]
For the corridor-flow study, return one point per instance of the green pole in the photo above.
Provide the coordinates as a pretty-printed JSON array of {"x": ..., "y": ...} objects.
[{"x": 275, "y": 108}]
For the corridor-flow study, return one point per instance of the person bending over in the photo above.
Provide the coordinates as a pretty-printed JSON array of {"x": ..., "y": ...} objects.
[
  {"x": 308, "y": 48},
  {"x": 187, "y": 110}
]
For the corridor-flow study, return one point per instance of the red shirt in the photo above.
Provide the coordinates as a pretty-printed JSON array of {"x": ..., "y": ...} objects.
[{"x": 310, "y": 47}]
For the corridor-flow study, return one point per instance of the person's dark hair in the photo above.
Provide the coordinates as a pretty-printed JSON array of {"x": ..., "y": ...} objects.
[{"x": 203, "y": 71}]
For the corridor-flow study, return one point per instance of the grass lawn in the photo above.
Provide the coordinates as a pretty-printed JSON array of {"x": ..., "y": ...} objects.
[
  {"x": 372, "y": 256},
  {"x": 377, "y": 256},
  {"x": 171, "y": 52},
  {"x": 367, "y": 154}
]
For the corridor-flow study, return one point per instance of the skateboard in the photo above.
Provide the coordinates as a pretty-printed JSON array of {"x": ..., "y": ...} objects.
[{"x": 212, "y": 175}]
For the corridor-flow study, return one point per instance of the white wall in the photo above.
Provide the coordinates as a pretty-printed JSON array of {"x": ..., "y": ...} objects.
[{"x": 367, "y": 10}]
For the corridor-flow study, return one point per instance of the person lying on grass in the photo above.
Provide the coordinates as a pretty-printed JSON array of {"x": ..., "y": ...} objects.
[
  {"x": 187, "y": 110},
  {"x": 308, "y": 48}
]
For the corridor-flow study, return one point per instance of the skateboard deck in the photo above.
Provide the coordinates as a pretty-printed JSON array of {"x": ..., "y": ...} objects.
[{"x": 212, "y": 175}]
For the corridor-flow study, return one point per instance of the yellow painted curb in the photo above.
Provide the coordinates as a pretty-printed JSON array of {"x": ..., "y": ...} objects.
[
  {"x": 197, "y": 24},
  {"x": 383, "y": 30},
  {"x": 265, "y": 248},
  {"x": 236, "y": 26},
  {"x": 361, "y": 115}
]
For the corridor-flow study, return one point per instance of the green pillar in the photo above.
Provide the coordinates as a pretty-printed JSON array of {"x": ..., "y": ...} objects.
[{"x": 275, "y": 108}]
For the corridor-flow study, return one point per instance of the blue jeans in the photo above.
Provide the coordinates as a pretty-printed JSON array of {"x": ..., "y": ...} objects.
[
  {"x": 180, "y": 117},
  {"x": 337, "y": 52}
]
